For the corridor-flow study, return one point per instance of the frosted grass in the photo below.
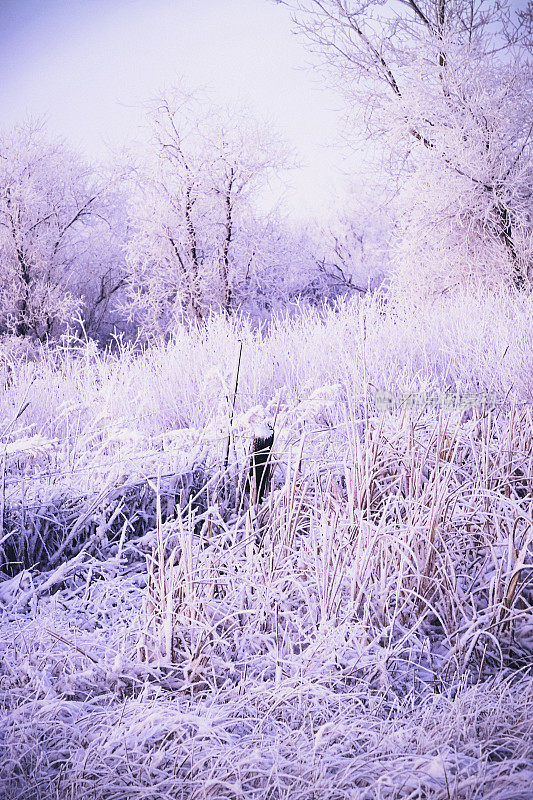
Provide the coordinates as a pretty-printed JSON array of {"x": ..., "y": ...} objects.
[{"x": 366, "y": 633}]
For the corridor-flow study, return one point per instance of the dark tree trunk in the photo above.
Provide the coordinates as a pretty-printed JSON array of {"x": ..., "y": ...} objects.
[
  {"x": 506, "y": 235},
  {"x": 22, "y": 328},
  {"x": 228, "y": 294},
  {"x": 194, "y": 288}
]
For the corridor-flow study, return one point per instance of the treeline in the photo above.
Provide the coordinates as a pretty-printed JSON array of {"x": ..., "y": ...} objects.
[
  {"x": 169, "y": 234},
  {"x": 173, "y": 232}
]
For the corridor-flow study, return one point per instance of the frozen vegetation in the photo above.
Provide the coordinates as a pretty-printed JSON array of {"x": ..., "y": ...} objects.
[{"x": 365, "y": 632}]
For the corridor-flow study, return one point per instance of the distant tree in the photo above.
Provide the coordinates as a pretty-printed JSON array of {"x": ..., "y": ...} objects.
[
  {"x": 287, "y": 263},
  {"x": 99, "y": 278},
  {"x": 193, "y": 198},
  {"x": 278, "y": 266},
  {"x": 446, "y": 86},
  {"x": 52, "y": 214},
  {"x": 352, "y": 251}
]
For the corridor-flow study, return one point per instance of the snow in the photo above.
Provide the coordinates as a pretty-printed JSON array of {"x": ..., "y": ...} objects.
[{"x": 360, "y": 634}]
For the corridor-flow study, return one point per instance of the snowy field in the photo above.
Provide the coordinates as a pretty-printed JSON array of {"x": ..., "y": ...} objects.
[{"x": 365, "y": 632}]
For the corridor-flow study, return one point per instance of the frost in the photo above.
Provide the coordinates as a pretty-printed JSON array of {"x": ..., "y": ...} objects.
[{"x": 335, "y": 637}]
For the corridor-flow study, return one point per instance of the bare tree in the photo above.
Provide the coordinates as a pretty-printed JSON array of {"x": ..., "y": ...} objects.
[
  {"x": 193, "y": 197},
  {"x": 52, "y": 212},
  {"x": 352, "y": 251},
  {"x": 446, "y": 83}
]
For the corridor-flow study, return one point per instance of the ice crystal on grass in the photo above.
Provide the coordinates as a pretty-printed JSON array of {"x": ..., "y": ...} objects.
[{"x": 364, "y": 632}]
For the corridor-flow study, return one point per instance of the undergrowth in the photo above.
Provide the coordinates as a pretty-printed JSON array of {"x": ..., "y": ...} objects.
[{"x": 365, "y": 632}]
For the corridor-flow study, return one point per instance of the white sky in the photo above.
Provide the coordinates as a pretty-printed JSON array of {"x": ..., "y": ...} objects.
[{"x": 87, "y": 65}]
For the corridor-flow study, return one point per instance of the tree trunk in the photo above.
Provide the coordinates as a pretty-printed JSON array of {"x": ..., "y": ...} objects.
[
  {"x": 22, "y": 328},
  {"x": 227, "y": 291},
  {"x": 505, "y": 231},
  {"x": 194, "y": 289}
]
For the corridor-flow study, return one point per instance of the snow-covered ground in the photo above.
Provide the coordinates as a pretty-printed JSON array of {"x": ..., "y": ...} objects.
[{"x": 366, "y": 632}]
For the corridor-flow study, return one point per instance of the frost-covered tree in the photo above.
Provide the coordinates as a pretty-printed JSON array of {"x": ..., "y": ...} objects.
[
  {"x": 287, "y": 263},
  {"x": 55, "y": 254},
  {"x": 279, "y": 268},
  {"x": 352, "y": 251},
  {"x": 447, "y": 85},
  {"x": 189, "y": 245}
]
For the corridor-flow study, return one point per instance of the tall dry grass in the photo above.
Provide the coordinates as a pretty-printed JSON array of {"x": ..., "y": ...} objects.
[{"x": 366, "y": 632}]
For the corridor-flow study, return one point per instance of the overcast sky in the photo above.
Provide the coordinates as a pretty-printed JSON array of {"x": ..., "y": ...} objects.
[{"x": 87, "y": 65}]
